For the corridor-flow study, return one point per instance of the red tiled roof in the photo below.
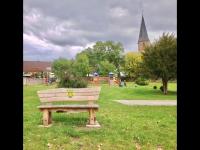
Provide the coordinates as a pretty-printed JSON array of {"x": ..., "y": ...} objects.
[{"x": 36, "y": 66}]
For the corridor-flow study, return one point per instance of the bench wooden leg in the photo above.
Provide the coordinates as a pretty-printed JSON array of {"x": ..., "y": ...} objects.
[
  {"x": 46, "y": 117},
  {"x": 91, "y": 117},
  {"x": 50, "y": 117},
  {"x": 92, "y": 120},
  {"x": 94, "y": 114}
]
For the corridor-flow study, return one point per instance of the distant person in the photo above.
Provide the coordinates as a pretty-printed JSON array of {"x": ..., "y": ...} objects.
[{"x": 124, "y": 82}]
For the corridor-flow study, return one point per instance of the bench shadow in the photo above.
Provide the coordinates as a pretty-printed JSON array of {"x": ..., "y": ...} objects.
[{"x": 70, "y": 119}]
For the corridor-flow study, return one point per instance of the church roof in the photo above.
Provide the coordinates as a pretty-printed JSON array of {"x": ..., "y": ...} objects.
[{"x": 143, "y": 32}]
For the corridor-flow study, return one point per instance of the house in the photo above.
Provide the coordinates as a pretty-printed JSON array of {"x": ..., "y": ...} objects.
[
  {"x": 39, "y": 70},
  {"x": 36, "y": 66}
]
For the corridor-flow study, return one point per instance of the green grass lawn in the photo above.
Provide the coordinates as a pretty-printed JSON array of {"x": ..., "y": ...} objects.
[
  {"x": 122, "y": 127},
  {"x": 133, "y": 91}
]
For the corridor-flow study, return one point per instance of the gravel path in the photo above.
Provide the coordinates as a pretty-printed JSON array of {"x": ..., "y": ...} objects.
[{"x": 149, "y": 102}]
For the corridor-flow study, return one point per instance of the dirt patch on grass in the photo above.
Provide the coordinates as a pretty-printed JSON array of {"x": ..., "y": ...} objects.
[
  {"x": 75, "y": 138},
  {"x": 86, "y": 129},
  {"x": 159, "y": 147},
  {"x": 148, "y": 102},
  {"x": 137, "y": 146}
]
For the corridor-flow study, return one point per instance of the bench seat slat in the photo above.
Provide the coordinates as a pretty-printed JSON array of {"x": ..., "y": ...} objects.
[
  {"x": 64, "y": 90},
  {"x": 74, "y": 98},
  {"x": 62, "y": 94},
  {"x": 69, "y": 106}
]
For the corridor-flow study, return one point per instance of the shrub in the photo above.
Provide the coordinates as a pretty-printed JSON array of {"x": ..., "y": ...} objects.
[
  {"x": 73, "y": 83},
  {"x": 155, "y": 87},
  {"x": 161, "y": 88},
  {"x": 141, "y": 81}
]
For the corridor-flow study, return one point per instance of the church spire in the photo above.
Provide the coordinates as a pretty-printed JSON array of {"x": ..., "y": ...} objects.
[
  {"x": 143, "y": 32},
  {"x": 143, "y": 36}
]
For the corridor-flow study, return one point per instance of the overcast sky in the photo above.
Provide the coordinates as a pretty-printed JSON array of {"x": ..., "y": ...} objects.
[{"x": 62, "y": 28}]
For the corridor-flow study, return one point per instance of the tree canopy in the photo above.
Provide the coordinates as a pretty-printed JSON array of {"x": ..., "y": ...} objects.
[
  {"x": 132, "y": 64},
  {"x": 81, "y": 65},
  {"x": 106, "y": 67},
  {"x": 109, "y": 51},
  {"x": 160, "y": 59},
  {"x": 62, "y": 67}
]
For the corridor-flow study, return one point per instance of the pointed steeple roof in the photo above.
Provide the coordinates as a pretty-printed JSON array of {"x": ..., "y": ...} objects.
[{"x": 143, "y": 32}]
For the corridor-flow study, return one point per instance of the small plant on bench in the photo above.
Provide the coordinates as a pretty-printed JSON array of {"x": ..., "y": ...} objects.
[{"x": 89, "y": 95}]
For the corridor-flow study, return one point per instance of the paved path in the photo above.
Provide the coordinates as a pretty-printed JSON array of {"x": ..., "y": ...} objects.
[{"x": 149, "y": 102}]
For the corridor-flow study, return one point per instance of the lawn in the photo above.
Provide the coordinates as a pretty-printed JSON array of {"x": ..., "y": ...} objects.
[{"x": 122, "y": 127}]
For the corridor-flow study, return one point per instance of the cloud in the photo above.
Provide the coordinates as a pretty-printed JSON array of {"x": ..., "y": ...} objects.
[
  {"x": 118, "y": 12},
  {"x": 54, "y": 29}
]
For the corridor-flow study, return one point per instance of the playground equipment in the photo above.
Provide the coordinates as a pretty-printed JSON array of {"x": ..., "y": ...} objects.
[
  {"x": 96, "y": 79},
  {"x": 112, "y": 80}
]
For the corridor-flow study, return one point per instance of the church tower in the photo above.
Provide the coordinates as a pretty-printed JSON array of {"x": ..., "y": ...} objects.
[{"x": 143, "y": 37}]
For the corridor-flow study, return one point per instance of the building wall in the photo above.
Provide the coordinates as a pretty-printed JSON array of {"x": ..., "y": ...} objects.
[
  {"x": 32, "y": 81},
  {"x": 141, "y": 45}
]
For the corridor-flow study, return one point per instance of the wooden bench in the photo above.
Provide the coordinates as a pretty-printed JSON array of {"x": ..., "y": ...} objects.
[{"x": 88, "y": 95}]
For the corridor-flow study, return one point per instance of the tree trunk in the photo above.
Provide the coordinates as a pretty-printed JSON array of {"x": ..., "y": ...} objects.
[
  {"x": 118, "y": 72},
  {"x": 164, "y": 86}
]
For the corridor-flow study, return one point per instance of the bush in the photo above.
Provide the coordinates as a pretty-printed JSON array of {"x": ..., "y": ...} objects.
[
  {"x": 161, "y": 88},
  {"x": 73, "y": 83},
  {"x": 141, "y": 81},
  {"x": 155, "y": 87}
]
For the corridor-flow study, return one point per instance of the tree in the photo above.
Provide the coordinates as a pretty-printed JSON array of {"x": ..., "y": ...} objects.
[
  {"x": 99, "y": 52},
  {"x": 105, "y": 51},
  {"x": 69, "y": 75},
  {"x": 81, "y": 65},
  {"x": 132, "y": 64},
  {"x": 62, "y": 67},
  {"x": 160, "y": 59},
  {"x": 106, "y": 67},
  {"x": 115, "y": 54}
]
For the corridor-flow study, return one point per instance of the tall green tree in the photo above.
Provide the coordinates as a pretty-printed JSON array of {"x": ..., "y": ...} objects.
[
  {"x": 132, "y": 64},
  {"x": 105, "y": 51},
  {"x": 115, "y": 54},
  {"x": 81, "y": 65},
  {"x": 99, "y": 52},
  {"x": 106, "y": 67},
  {"x": 160, "y": 59},
  {"x": 62, "y": 67}
]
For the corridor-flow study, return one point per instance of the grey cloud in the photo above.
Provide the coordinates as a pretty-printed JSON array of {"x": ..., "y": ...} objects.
[
  {"x": 67, "y": 41},
  {"x": 68, "y": 23}
]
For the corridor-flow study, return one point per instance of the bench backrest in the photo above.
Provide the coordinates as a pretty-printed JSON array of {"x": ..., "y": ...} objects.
[{"x": 69, "y": 94}]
